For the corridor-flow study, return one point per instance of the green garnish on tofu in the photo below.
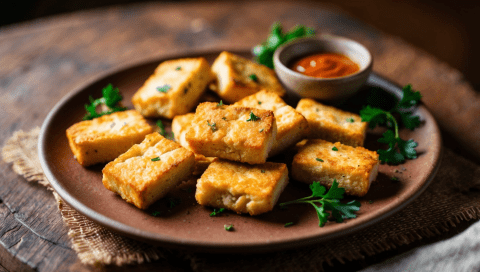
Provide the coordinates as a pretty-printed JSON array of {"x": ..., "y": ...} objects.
[
  {"x": 212, "y": 126},
  {"x": 164, "y": 88},
  {"x": 334, "y": 148},
  {"x": 110, "y": 98},
  {"x": 228, "y": 227},
  {"x": 253, "y": 77},
  {"x": 329, "y": 201},
  {"x": 253, "y": 117},
  {"x": 155, "y": 159},
  {"x": 350, "y": 120},
  {"x": 320, "y": 160},
  {"x": 220, "y": 103}
]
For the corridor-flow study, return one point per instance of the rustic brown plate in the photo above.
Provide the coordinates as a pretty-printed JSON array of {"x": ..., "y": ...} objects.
[{"x": 188, "y": 225}]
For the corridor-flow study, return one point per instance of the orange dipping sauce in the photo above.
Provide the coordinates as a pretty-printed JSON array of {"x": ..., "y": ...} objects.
[{"x": 325, "y": 65}]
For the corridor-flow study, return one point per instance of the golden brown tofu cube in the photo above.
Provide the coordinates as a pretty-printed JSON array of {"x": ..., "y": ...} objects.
[
  {"x": 242, "y": 188},
  {"x": 291, "y": 125},
  {"x": 238, "y": 77},
  {"x": 174, "y": 88},
  {"x": 149, "y": 170},
  {"x": 180, "y": 124},
  {"x": 332, "y": 124},
  {"x": 233, "y": 133},
  {"x": 105, "y": 138},
  {"x": 354, "y": 168}
]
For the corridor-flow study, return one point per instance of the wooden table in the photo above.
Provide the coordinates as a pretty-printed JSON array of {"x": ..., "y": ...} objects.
[{"x": 41, "y": 61}]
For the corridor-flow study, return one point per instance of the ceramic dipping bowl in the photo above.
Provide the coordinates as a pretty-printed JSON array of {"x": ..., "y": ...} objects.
[{"x": 323, "y": 89}]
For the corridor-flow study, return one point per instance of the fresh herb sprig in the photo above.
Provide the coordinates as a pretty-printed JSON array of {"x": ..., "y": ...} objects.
[
  {"x": 264, "y": 52},
  {"x": 398, "y": 149},
  {"x": 329, "y": 201},
  {"x": 110, "y": 98}
]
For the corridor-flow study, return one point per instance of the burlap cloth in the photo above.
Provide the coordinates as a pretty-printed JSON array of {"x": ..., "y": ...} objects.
[{"x": 452, "y": 197}]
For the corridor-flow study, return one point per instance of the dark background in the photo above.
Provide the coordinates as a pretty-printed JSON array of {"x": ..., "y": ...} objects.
[{"x": 445, "y": 28}]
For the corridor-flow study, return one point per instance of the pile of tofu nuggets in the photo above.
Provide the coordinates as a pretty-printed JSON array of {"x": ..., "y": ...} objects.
[{"x": 226, "y": 144}]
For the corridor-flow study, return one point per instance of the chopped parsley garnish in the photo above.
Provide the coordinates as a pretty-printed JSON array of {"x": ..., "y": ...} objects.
[
  {"x": 217, "y": 212},
  {"x": 335, "y": 148},
  {"x": 163, "y": 132},
  {"x": 220, "y": 103},
  {"x": 160, "y": 125},
  {"x": 156, "y": 213},
  {"x": 263, "y": 171},
  {"x": 259, "y": 102},
  {"x": 172, "y": 202},
  {"x": 261, "y": 130},
  {"x": 164, "y": 88},
  {"x": 253, "y": 77},
  {"x": 178, "y": 68},
  {"x": 288, "y": 224},
  {"x": 320, "y": 160},
  {"x": 253, "y": 117},
  {"x": 329, "y": 201},
  {"x": 212, "y": 126},
  {"x": 224, "y": 118},
  {"x": 398, "y": 149},
  {"x": 155, "y": 159},
  {"x": 394, "y": 179},
  {"x": 228, "y": 227},
  {"x": 350, "y": 120},
  {"x": 264, "y": 52},
  {"x": 110, "y": 98}
]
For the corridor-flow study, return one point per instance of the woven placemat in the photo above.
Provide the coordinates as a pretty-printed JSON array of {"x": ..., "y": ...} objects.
[{"x": 452, "y": 197}]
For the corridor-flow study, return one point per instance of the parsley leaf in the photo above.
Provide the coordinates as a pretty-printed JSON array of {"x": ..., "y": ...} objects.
[
  {"x": 217, "y": 212},
  {"x": 334, "y": 148},
  {"x": 329, "y": 202},
  {"x": 110, "y": 98},
  {"x": 220, "y": 103},
  {"x": 320, "y": 160},
  {"x": 253, "y": 117},
  {"x": 410, "y": 98},
  {"x": 253, "y": 77},
  {"x": 228, "y": 227},
  {"x": 288, "y": 224},
  {"x": 160, "y": 125},
  {"x": 155, "y": 159},
  {"x": 164, "y": 88},
  {"x": 264, "y": 52},
  {"x": 212, "y": 126},
  {"x": 156, "y": 213},
  {"x": 163, "y": 132},
  {"x": 398, "y": 149}
]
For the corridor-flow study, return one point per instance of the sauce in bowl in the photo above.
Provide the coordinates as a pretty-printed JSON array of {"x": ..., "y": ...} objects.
[{"x": 325, "y": 65}]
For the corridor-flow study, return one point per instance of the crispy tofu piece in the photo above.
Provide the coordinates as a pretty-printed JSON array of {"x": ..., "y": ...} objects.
[
  {"x": 149, "y": 170},
  {"x": 332, "y": 124},
  {"x": 179, "y": 129},
  {"x": 354, "y": 168},
  {"x": 291, "y": 125},
  {"x": 174, "y": 88},
  {"x": 242, "y": 188},
  {"x": 105, "y": 138},
  {"x": 235, "y": 80},
  {"x": 233, "y": 133}
]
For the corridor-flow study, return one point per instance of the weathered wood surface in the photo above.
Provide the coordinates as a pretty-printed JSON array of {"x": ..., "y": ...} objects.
[{"x": 41, "y": 61}]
